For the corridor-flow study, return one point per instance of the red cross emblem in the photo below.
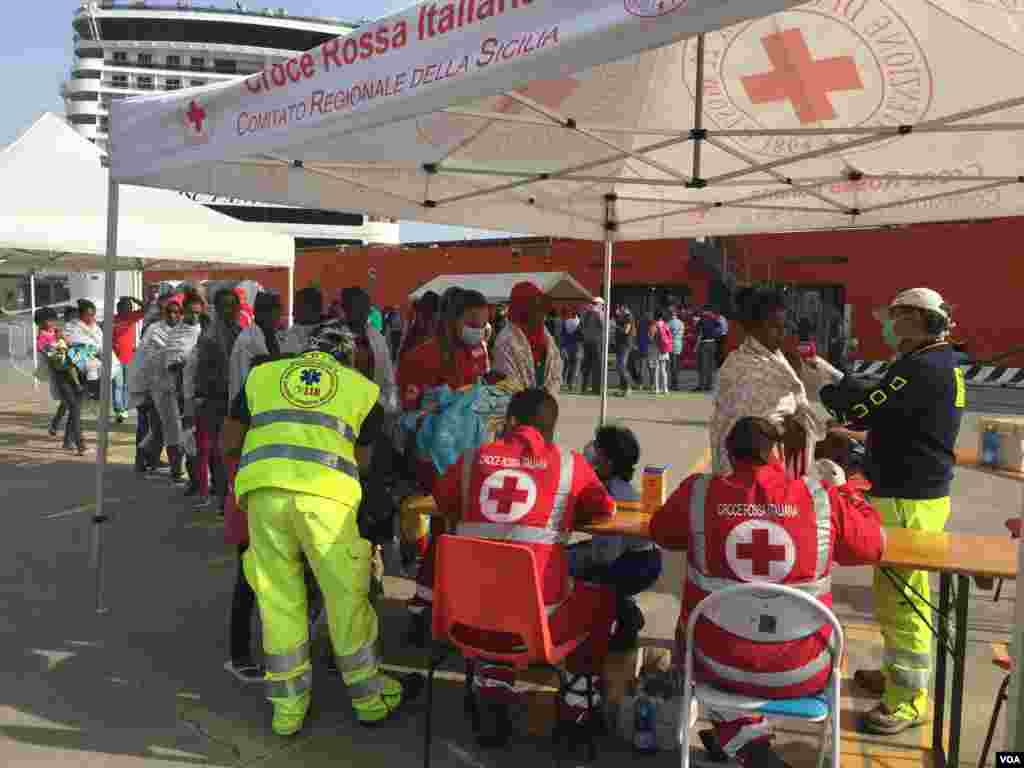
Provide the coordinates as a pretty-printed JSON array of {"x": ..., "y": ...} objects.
[
  {"x": 800, "y": 79},
  {"x": 760, "y": 551},
  {"x": 507, "y": 496}
]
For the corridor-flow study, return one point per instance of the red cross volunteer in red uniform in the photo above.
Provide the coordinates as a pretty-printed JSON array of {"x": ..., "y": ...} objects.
[
  {"x": 757, "y": 525},
  {"x": 522, "y": 488}
]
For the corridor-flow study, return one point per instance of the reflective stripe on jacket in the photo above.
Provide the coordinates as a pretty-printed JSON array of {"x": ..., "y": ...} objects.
[{"x": 306, "y": 414}]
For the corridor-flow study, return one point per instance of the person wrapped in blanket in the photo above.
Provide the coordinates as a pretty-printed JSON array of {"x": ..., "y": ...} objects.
[
  {"x": 84, "y": 337},
  {"x": 65, "y": 386}
]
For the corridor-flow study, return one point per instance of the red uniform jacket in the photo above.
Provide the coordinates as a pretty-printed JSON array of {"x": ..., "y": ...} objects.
[
  {"x": 422, "y": 369},
  {"x": 525, "y": 490},
  {"x": 757, "y": 525}
]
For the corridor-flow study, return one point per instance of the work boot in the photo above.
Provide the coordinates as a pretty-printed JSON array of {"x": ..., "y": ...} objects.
[
  {"x": 870, "y": 680},
  {"x": 290, "y": 714},
  {"x": 885, "y": 722},
  {"x": 379, "y": 708},
  {"x": 176, "y": 458},
  {"x": 760, "y": 754}
]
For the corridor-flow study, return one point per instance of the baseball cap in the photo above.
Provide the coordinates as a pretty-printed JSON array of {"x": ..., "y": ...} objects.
[{"x": 598, "y": 300}]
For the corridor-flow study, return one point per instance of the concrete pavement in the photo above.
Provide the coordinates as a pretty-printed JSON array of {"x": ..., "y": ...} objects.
[{"x": 143, "y": 685}]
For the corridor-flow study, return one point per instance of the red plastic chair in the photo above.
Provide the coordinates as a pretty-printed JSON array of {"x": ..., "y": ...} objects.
[
  {"x": 492, "y": 589},
  {"x": 1002, "y": 659},
  {"x": 1013, "y": 525}
]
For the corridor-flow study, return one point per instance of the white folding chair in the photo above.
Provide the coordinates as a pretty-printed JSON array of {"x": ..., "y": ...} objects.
[{"x": 822, "y": 708}]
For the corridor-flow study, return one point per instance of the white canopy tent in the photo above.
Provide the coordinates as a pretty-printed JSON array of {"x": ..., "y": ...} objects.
[
  {"x": 53, "y": 217},
  {"x": 559, "y": 286},
  {"x": 619, "y": 119}
]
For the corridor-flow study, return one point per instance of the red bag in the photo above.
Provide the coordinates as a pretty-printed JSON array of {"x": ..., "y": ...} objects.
[{"x": 664, "y": 338}]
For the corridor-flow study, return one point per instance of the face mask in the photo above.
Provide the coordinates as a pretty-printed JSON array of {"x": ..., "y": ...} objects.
[
  {"x": 889, "y": 335},
  {"x": 472, "y": 337},
  {"x": 590, "y": 454}
]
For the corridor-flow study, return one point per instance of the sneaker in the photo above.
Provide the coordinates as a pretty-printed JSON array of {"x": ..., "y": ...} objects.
[
  {"x": 52, "y": 431},
  {"x": 883, "y": 722},
  {"x": 244, "y": 670},
  {"x": 760, "y": 754},
  {"x": 715, "y": 752},
  {"x": 202, "y": 504}
]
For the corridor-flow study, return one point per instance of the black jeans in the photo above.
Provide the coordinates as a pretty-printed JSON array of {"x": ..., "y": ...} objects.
[
  {"x": 70, "y": 401},
  {"x": 707, "y": 363},
  {"x": 591, "y": 367},
  {"x": 242, "y": 605}
]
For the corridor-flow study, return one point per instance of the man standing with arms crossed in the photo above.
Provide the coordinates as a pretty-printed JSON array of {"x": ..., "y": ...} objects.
[
  {"x": 305, "y": 428},
  {"x": 913, "y": 420}
]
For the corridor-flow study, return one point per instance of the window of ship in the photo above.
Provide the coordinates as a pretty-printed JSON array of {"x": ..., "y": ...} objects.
[
  {"x": 197, "y": 62},
  {"x": 144, "y": 82},
  {"x": 173, "y": 62},
  {"x": 145, "y": 59},
  {"x": 120, "y": 81},
  {"x": 120, "y": 57},
  {"x": 225, "y": 66},
  {"x": 224, "y": 32},
  {"x": 84, "y": 96},
  {"x": 196, "y": 83},
  {"x": 82, "y": 119},
  {"x": 172, "y": 84}
]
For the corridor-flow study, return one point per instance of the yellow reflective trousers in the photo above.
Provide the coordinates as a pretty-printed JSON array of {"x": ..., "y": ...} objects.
[
  {"x": 908, "y": 640},
  {"x": 284, "y": 525}
]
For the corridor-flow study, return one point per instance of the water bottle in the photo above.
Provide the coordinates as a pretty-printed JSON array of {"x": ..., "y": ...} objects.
[
  {"x": 990, "y": 446},
  {"x": 645, "y": 740}
]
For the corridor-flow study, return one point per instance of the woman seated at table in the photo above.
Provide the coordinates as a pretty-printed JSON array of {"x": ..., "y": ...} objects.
[{"x": 629, "y": 566}]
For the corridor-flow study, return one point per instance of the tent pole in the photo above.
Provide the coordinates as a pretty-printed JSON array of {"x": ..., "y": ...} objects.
[
  {"x": 32, "y": 309},
  {"x": 698, "y": 108},
  {"x": 606, "y": 345},
  {"x": 103, "y": 436},
  {"x": 291, "y": 295}
]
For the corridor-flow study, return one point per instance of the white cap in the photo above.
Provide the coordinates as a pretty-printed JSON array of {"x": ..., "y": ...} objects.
[
  {"x": 922, "y": 298},
  {"x": 598, "y": 300}
]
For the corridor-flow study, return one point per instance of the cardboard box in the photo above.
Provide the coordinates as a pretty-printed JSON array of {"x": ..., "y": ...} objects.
[{"x": 1008, "y": 433}]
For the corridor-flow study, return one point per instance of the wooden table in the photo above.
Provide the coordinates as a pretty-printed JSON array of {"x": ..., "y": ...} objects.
[{"x": 954, "y": 556}]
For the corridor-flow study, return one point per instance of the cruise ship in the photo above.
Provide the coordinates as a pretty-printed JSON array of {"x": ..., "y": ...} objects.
[{"x": 128, "y": 48}]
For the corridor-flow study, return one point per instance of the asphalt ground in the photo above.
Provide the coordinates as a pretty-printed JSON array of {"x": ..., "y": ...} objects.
[{"x": 143, "y": 684}]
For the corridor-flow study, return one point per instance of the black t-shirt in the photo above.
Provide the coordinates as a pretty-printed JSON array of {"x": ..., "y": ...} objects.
[
  {"x": 913, "y": 420},
  {"x": 372, "y": 427}
]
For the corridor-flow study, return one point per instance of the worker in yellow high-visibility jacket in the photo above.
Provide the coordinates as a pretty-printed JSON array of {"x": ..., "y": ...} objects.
[{"x": 304, "y": 427}]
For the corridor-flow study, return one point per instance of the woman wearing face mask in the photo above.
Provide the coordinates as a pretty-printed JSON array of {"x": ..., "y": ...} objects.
[
  {"x": 456, "y": 356},
  {"x": 525, "y": 352}
]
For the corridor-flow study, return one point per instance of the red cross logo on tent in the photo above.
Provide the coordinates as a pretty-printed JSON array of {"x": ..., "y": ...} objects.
[
  {"x": 196, "y": 124},
  {"x": 800, "y": 79},
  {"x": 507, "y": 496},
  {"x": 759, "y": 550}
]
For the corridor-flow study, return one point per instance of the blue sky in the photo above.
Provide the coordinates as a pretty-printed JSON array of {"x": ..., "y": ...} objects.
[{"x": 36, "y": 54}]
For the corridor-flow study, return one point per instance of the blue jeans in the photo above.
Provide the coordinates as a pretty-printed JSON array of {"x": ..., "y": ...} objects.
[
  {"x": 629, "y": 574},
  {"x": 119, "y": 390},
  {"x": 622, "y": 365}
]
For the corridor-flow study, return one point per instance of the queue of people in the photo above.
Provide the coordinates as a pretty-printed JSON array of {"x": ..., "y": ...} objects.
[{"x": 300, "y": 429}]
